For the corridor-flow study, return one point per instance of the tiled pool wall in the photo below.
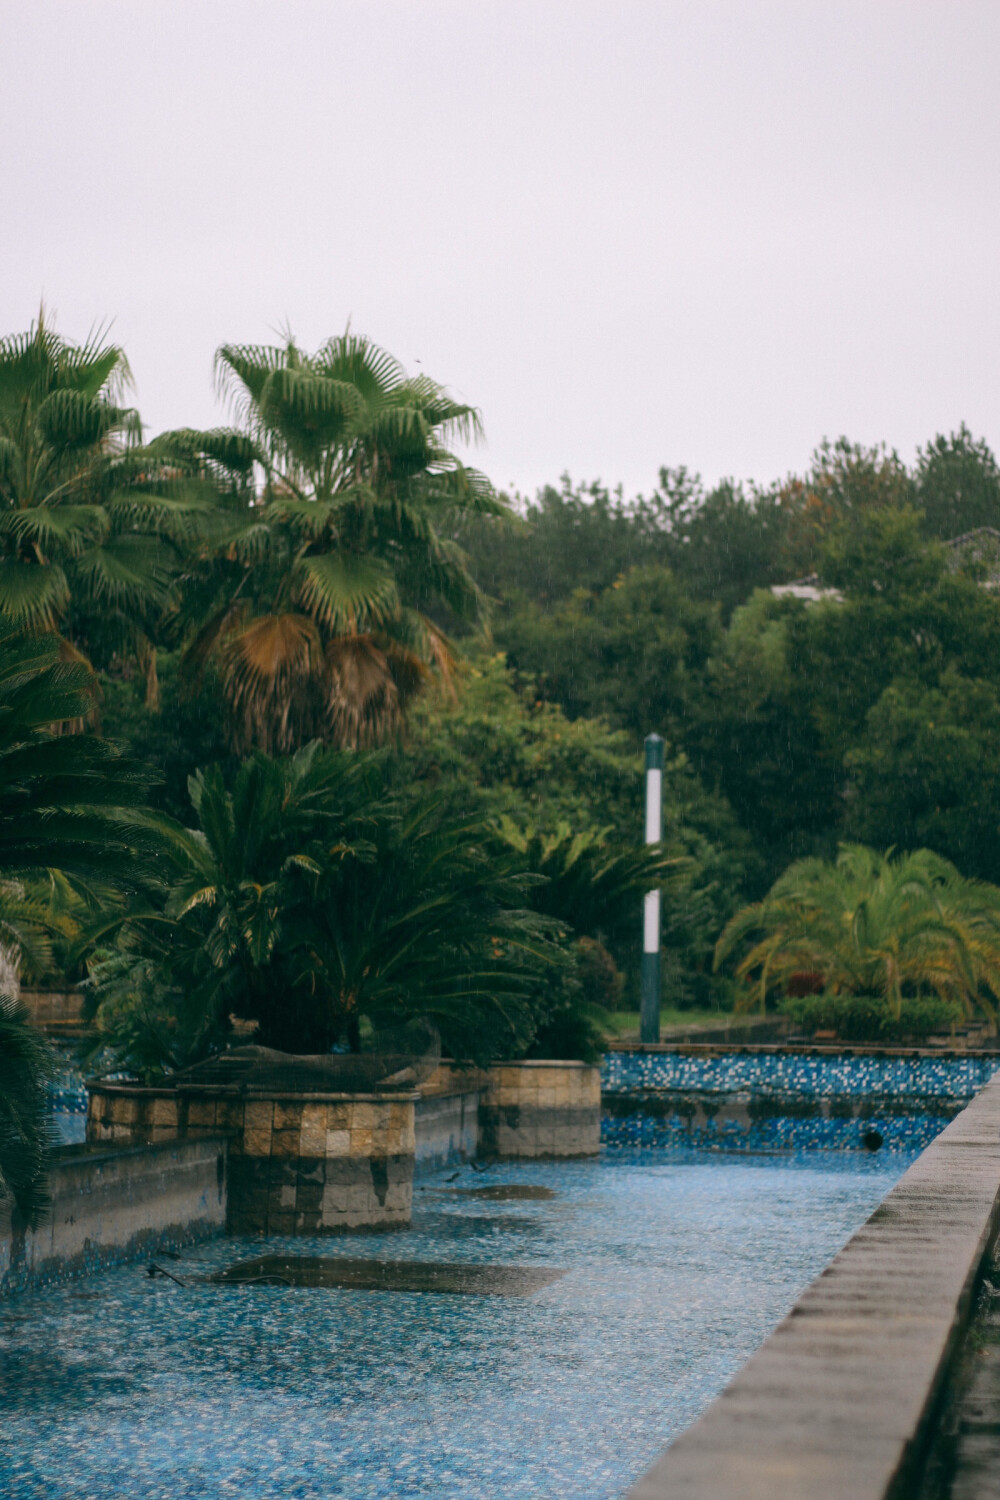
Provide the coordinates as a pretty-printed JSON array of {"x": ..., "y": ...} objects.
[
  {"x": 784, "y": 1100},
  {"x": 68, "y": 1100}
]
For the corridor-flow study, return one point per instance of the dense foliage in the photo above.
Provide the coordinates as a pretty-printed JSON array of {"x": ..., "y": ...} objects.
[
  {"x": 878, "y": 932},
  {"x": 270, "y": 603},
  {"x": 70, "y": 846},
  {"x": 310, "y": 900},
  {"x": 321, "y": 600},
  {"x": 93, "y": 528}
]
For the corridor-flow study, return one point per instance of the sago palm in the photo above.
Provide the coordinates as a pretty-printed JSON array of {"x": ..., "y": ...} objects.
[
  {"x": 323, "y": 599},
  {"x": 89, "y": 521},
  {"x": 873, "y": 924},
  {"x": 310, "y": 901},
  {"x": 591, "y": 885}
]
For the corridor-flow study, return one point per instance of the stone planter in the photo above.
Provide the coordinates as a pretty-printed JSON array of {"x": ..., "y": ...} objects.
[
  {"x": 311, "y": 1162},
  {"x": 541, "y": 1109},
  {"x": 55, "y": 1010},
  {"x": 299, "y": 1163}
]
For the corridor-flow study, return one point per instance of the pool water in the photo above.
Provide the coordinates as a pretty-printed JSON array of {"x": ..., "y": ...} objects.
[{"x": 678, "y": 1263}]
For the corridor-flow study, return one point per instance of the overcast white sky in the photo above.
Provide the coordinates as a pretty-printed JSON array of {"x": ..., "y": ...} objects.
[{"x": 639, "y": 233}]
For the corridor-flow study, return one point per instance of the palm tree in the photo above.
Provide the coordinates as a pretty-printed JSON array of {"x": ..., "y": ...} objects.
[
  {"x": 89, "y": 522},
  {"x": 63, "y": 826},
  {"x": 313, "y": 902},
  {"x": 872, "y": 924},
  {"x": 323, "y": 599}
]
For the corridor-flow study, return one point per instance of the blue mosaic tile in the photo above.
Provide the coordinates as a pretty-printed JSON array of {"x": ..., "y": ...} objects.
[
  {"x": 815, "y": 1075},
  {"x": 784, "y": 1100},
  {"x": 679, "y": 1263}
]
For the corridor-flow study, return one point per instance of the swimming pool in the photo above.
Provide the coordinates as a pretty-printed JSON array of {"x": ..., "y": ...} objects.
[{"x": 678, "y": 1263}]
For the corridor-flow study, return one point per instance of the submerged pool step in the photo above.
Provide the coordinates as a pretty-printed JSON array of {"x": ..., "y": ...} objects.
[{"x": 388, "y": 1275}]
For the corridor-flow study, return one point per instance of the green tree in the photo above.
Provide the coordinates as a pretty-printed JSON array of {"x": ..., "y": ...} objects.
[
  {"x": 571, "y": 536},
  {"x": 787, "y": 712},
  {"x": 957, "y": 485},
  {"x": 871, "y": 924},
  {"x": 926, "y": 772},
  {"x": 321, "y": 603},
  {"x": 757, "y": 742},
  {"x": 91, "y": 527},
  {"x": 500, "y": 748},
  {"x": 311, "y": 901},
  {"x": 722, "y": 544},
  {"x": 26, "y": 1062},
  {"x": 635, "y": 654},
  {"x": 846, "y": 483}
]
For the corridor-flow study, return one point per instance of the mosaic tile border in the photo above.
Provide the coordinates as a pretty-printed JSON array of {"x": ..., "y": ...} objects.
[{"x": 815, "y": 1076}]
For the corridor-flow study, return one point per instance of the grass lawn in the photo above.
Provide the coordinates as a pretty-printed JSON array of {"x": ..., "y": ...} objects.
[{"x": 623, "y": 1022}]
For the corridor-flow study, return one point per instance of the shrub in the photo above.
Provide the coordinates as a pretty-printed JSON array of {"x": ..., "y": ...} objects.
[{"x": 868, "y": 1018}]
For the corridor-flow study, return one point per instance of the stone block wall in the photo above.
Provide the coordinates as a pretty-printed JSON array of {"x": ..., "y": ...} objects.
[
  {"x": 125, "y": 1114},
  {"x": 315, "y": 1165},
  {"x": 298, "y": 1164},
  {"x": 55, "y": 1009},
  {"x": 541, "y": 1109}
]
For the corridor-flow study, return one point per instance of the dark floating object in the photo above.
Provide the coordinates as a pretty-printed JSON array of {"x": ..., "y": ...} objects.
[
  {"x": 508, "y": 1192},
  {"x": 389, "y": 1275},
  {"x": 872, "y": 1140}
]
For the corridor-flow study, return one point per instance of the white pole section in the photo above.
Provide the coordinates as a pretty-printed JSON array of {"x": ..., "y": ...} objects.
[{"x": 649, "y": 978}]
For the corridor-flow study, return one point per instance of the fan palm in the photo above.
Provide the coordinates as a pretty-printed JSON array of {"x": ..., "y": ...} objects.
[
  {"x": 321, "y": 602},
  {"x": 873, "y": 924},
  {"x": 311, "y": 902},
  {"x": 89, "y": 521}
]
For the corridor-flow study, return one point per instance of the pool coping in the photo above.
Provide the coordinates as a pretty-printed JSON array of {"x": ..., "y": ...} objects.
[
  {"x": 840, "y": 1402},
  {"x": 806, "y": 1049}
]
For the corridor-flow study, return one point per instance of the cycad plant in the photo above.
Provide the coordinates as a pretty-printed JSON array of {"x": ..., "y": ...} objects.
[
  {"x": 588, "y": 882},
  {"x": 592, "y": 889},
  {"x": 310, "y": 901},
  {"x": 91, "y": 524},
  {"x": 323, "y": 600},
  {"x": 895, "y": 927}
]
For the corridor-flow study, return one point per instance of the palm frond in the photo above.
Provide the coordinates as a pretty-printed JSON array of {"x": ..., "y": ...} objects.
[
  {"x": 346, "y": 594},
  {"x": 33, "y": 595}
]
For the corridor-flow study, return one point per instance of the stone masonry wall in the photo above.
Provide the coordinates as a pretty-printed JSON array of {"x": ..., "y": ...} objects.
[
  {"x": 53, "y": 1008},
  {"x": 541, "y": 1109},
  {"x": 298, "y": 1163}
]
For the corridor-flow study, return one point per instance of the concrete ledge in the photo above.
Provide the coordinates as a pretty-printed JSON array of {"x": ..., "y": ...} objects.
[
  {"x": 113, "y": 1205},
  {"x": 446, "y": 1128},
  {"x": 838, "y": 1403}
]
